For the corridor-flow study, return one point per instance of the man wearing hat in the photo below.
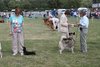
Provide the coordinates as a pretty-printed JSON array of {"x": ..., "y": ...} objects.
[{"x": 83, "y": 25}]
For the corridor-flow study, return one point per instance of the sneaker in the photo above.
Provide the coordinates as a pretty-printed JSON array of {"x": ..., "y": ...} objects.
[
  {"x": 21, "y": 54},
  {"x": 14, "y": 54}
]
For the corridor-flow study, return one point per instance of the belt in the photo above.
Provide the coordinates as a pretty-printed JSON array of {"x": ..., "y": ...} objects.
[{"x": 82, "y": 28}]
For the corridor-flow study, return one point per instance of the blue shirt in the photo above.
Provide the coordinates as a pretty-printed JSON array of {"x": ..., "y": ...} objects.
[
  {"x": 16, "y": 23},
  {"x": 84, "y": 21}
]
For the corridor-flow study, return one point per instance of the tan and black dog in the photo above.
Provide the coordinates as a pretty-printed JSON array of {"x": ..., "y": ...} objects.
[{"x": 67, "y": 43}]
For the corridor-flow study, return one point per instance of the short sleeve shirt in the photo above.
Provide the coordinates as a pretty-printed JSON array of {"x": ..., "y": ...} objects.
[
  {"x": 16, "y": 22},
  {"x": 84, "y": 21}
]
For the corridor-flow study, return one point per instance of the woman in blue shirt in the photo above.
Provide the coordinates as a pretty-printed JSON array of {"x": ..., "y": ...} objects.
[{"x": 16, "y": 24}]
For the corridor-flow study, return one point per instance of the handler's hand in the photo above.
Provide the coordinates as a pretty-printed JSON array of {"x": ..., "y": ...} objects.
[
  {"x": 76, "y": 25},
  {"x": 72, "y": 25}
]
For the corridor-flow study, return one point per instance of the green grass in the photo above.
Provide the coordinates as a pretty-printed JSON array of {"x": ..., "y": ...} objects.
[{"x": 40, "y": 38}]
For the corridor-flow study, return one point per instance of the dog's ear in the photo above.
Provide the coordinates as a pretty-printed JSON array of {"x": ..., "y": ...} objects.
[
  {"x": 24, "y": 48},
  {"x": 74, "y": 33},
  {"x": 69, "y": 33}
]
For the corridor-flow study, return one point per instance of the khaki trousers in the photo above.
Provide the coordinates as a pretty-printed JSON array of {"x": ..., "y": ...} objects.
[{"x": 17, "y": 42}]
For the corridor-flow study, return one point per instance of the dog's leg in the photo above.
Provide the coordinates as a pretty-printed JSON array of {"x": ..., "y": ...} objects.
[{"x": 61, "y": 49}]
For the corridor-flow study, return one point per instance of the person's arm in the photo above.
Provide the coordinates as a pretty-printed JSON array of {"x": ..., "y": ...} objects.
[
  {"x": 22, "y": 21},
  {"x": 22, "y": 24},
  {"x": 77, "y": 25},
  {"x": 10, "y": 26},
  {"x": 71, "y": 25}
]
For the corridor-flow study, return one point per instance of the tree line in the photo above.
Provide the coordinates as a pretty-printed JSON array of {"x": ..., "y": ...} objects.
[{"x": 43, "y": 4}]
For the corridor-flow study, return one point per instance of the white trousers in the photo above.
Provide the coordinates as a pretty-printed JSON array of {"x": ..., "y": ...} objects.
[{"x": 17, "y": 42}]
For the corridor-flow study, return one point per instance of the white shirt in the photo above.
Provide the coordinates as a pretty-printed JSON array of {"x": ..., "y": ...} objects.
[{"x": 84, "y": 21}]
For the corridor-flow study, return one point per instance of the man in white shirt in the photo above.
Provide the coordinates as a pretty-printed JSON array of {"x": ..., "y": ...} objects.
[{"x": 83, "y": 25}]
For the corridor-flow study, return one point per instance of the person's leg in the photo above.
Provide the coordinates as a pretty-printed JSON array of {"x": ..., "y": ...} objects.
[
  {"x": 69, "y": 28},
  {"x": 14, "y": 44},
  {"x": 83, "y": 44},
  {"x": 67, "y": 33},
  {"x": 20, "y": 42}
]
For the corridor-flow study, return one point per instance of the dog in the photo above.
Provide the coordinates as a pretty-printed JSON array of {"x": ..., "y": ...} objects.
[
  {"x": 67, "y": 43},
  {"x": 28, "y": 52},
  {"x": 49, "y": 23},
  {"x": 1, "y": 21},
  {"x": 0, "y": 51}
]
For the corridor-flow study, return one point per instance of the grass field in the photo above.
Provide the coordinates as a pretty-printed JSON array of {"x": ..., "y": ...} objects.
[{"x": 40, "y": 38}]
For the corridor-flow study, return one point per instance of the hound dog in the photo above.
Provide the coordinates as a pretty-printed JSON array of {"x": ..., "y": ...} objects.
[
  {"x": 48, "y": 23},
  {"x": 0, "y": 51},
  {"x": 67, "y": 43},
  {"x": 55, "y": 22}
]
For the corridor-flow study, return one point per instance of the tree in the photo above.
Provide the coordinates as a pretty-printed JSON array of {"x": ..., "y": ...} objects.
[
  {"x": 44, "y": 4},
  {"x": 2, "y": 6},
  {"x": 11, "y": 4},
  {"x": 54, "y": 3},
  {"x": 71, "y": 3},
  {"x": 86, "y": 3},
  {"x": 26, "y": 4}
]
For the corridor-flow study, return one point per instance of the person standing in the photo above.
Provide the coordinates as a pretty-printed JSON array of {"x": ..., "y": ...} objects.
[
  {"x": 63, "y": 25},
  {"x": 83, "y": 25},
  {"x": 16, "y": 24}
]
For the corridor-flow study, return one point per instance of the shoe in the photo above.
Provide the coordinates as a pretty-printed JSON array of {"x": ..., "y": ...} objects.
[
  {"x": 84, "y": 51},
  {"x": 21, "y": 54},
  {"x": 14, "y": 54}
]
